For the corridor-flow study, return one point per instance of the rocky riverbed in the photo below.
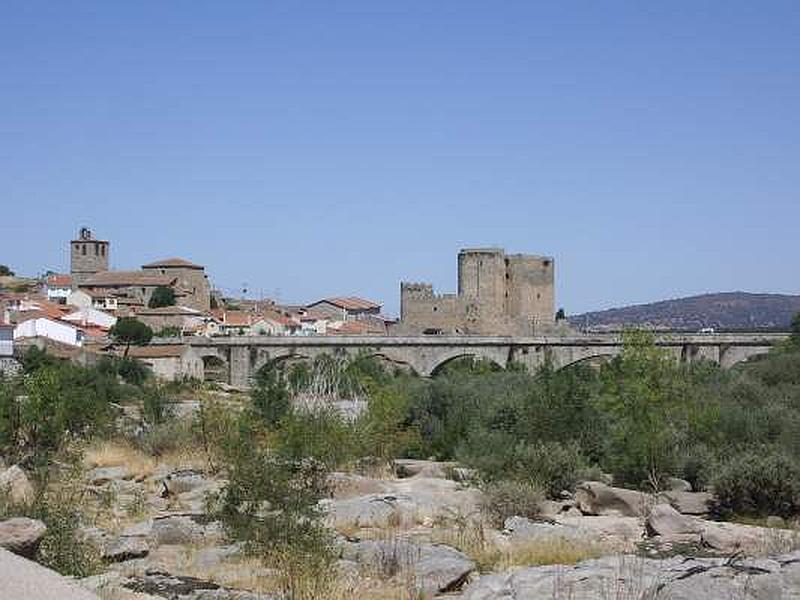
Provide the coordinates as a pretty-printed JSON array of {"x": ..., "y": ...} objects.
[{"x": 417, "y": 531}]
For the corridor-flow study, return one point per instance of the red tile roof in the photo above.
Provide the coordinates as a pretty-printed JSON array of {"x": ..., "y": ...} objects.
[{"x": 58, "y": 280}]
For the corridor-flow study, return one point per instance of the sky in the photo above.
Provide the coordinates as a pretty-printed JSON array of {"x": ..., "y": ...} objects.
[{"x": 311, "y": 149}]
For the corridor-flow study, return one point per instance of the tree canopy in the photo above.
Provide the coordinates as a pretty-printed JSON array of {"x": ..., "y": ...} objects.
[
  {"x": 130, "y": 331},
  {"x": 5, "y": 271},
  {"x": 162, "y": 296}
]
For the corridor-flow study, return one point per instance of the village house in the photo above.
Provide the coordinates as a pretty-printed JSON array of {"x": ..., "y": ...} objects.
[
  {"x": 101, "y": 299},
  {"x": 57, "y": 287},
  {"x": 172, "y": 362},
  {"x": 347, "y": 308},
  {"x": 191, "y": 282},
  {"x": 45, "y": 327},
  {"x": 182, "y": 318}
]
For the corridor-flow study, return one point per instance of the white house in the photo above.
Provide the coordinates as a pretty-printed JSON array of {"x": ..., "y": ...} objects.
[
  {"x": 58, "y": 287},
  {"x": 90, "y": 316},
  {"x": 101, "y": 300},
  {"x": 57, "y": 331}
]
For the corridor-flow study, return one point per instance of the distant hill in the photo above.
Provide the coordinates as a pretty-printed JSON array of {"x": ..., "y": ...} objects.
[{"x": 725, "y": 312}]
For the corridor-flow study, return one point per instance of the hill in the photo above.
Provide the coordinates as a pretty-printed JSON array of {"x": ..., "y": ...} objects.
[{"x": 723, "y": 311}]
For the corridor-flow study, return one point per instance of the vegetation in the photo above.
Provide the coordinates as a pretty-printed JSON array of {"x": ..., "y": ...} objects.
[
  {"x": 162, "y": 296},
  {"x": 131, "y": 331},
  {"x": 5, "y": 271},
  {"x": 640, "y": 418}
]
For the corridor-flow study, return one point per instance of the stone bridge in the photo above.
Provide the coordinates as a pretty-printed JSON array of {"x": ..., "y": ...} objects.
[{"x": 236, "y": 359}]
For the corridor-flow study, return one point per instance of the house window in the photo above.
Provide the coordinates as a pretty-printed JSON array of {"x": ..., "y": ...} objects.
[
  {"x": 83, "y": 250},
  {"x": 102, "y": 250},
  {"x": 97, "y": 250}
]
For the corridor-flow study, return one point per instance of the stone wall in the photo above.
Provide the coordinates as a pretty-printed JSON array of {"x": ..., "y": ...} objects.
[{"x": 87, "y": 256}]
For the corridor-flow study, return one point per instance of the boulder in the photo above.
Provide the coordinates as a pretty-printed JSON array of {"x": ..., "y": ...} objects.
[
  {"x": 103, "y": 475},
  {"x": 15, "y": 483},
  {"x": 22, "y": 535},
  {"x": 125, "y": 548},
  {"x": 674, "y": 484},
  {"x": 596, "y": 498},
  {"x": 433, "y": 568},
  {"x": 522, "y": 530},
  {"x": 687, "y": 503},
  {"x": 372, "y": 510},
  {"x": 411, "y": 467},
  {"x": 729, "y": 538},
  {"x": 175, "y": 530},
  {"x": 676, "y": 578},
  {"x": 668, "y": 523},
  {"x": 186, "y": 480}
]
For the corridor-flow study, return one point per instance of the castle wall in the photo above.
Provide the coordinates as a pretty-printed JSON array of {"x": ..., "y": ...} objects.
[{"x": 498, "y": 294}]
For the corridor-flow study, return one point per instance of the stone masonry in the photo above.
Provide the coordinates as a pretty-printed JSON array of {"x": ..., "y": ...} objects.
[{"x": 498, "y": 294}]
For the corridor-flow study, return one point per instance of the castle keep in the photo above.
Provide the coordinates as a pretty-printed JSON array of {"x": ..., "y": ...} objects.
[{"x": 498, "y": 294}]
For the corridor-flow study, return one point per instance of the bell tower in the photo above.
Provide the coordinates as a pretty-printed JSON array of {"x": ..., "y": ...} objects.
[{"x": 87, "y": 256}]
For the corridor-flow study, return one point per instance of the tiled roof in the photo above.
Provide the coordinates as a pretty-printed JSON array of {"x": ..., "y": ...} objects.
[
  {"x": 349, "y": 303},
  {"x": 349, "y": 328},
  {"x": 172, "y": 262},
  {"x": 124, "y": 278},
  {"x": 58, "y": 280}
]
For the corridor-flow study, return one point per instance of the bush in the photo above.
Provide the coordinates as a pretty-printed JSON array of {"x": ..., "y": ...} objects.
[
  {"x": 758, "y": 483},
  {"x": 505, "y": 498},
  {"x": 321, "y": 434}
]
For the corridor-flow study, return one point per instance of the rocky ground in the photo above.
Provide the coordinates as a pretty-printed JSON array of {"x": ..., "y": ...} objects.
[{"x": 417, "y": 531}]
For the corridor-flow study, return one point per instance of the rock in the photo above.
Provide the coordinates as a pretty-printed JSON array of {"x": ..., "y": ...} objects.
[
  {"x": 674, "y": 484},
  {"x": 687, "y": 503},
  {"x": 553, "y": 508},
  {"x": 522, "y": 530},
  {"x": 729, "y": 538},
  {"x": 16, "y": 484},
  {"x": 175, "y": 530},
  {"x": 209, "y": 558},
  {"x": 776, "y": 522},
  {"x": 410, "y": 467},
  {"x": 141, "y": 529},
  {"x": 103, "y": 475},
  {"x": 162, "y": 584},
  {"x": 22, "y": 535},
  {"x": 186, "y": 480},
  {"x": 596, "y": 498},
  {"x": 676, "y": 578},
  {"x": 433, "y": 567},
  {"x": 372, "y": 510},
  {"x": 125, "y": 548},
  {"x": 667, "y": 522}
]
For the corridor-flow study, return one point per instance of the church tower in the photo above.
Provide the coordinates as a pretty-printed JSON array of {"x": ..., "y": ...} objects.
[{"x": 87, "y": 256}]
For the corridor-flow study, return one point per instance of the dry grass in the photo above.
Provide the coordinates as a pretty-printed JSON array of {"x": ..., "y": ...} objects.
[{"x": 108, "y": 453}]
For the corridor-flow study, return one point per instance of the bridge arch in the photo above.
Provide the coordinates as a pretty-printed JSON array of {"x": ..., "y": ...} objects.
[
  {"x": 733, "y": 355},
  {"x": 564, "y": 357},
  {"x": 215, "y": 366},
  {"x": 433, "y": 363}
]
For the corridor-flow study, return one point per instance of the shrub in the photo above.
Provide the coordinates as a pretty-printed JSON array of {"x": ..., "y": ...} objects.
[
  {"x": 506, "y": 498},
  {"x": 270, "y": 394},
  {"x": 758, "y": 482},
  {"x": 321, "y": 434}
]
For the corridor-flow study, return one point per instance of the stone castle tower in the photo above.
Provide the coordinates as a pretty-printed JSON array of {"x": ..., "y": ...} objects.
[
  {"x": 498, "y": 294},
  {"x": 87, "y": 256}
]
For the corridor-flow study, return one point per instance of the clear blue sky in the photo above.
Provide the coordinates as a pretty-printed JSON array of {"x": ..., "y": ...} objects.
[{"x": 321, "y": 148}]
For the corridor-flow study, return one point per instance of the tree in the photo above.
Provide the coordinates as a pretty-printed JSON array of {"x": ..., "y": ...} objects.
[
  {"x": 796, "y": 330},
  {"x": 561, "y": 315},
  {"x": 5, "y": 271},
  {"x": 162, "y": 296},
  {"x": 130, "y": 331}
]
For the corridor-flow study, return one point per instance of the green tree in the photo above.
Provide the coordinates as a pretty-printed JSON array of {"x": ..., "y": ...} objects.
[
  {"x": 130, "y": 331},
  {"x": 644, "y": 392},
  {"x": 162, "y": 296},
  {"x": 5, "y": 271},
  {"x": 561, "y": 315},
  {"x": 796, "y": 330}
]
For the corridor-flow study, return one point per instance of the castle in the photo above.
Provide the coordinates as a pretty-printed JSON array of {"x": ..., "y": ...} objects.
[{"x": 498, "y": 294}]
